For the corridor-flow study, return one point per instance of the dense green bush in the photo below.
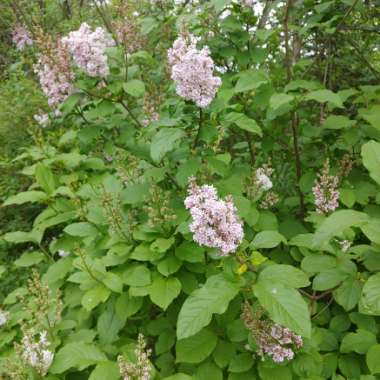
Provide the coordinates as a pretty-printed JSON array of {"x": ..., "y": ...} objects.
[{"x": 126, "y": 277}]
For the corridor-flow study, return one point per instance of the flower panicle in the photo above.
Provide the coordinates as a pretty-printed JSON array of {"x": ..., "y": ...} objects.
[
  {"x": 273, "y": 340},
  {"x": 192, "y": 71},
  {"x": 325, "y": 190},
  {"x": 215, "y": 222}
]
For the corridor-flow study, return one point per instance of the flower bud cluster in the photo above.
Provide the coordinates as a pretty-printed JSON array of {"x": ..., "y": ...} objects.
[
  {"x": 273, "y": 340},
  {"x": 192, "y": 71},
  {"x": 215, "y": 222},
  {"x": 345, "y": 166},
  {"x": 142, "y": 368},
  {"x": 89, "y": 49},
  {"x": 326, "y": 191},
  {"x": 21, "y": 37},
  {"x": 160, "y": 214}
]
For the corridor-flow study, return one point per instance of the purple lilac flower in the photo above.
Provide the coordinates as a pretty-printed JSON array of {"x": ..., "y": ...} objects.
[
  {"x": 88, "y": 49},
  {"x": 192, "y": 71},
  {"x": 54, "y": 72},
  {"x": 215, "y": 223},
  {"x": 21, "y": 37}
]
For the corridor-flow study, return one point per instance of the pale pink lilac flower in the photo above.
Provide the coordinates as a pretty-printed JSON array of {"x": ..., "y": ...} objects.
[
  {"x": 55, "y": 74},
  {"x": 273, "y": 340},
  {"x": 62, "y": 253},
  {"x": 192, "y": 71},
  {"x": 4, "y": 317},
  {"x": 214, "y": 221},
  {"x": 89, "y": 49},
  {"x": 21, "y": 37},
  {"x": 142, "y": 368},
  {"x": 263, "y": 179},
  {"x": 249, "y": 3},
  {"x": 42, "y": 119},
  {"x": 326, "y": 191},
  {"x": 36, "y": 352}
]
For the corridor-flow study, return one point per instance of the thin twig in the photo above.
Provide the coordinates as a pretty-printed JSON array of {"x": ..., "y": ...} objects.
[
  {"x": 346, "y": 15},
  {"x": 200, "y": 121}
]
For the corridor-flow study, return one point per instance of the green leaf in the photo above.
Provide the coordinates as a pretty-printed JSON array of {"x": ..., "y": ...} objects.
[
  {"x": 371, "y": 230},
  {"x": 372, "y": 115},
  {"x": 358, "y": 342},
  {"x": 137, "y": 275},
  {"x": 370, "y": 300},
  {"x": 45, "y": 178},
  {"x": 126, "y": 305},
  {"x": 284, "y": 305},
  {"x": 250, "y": 79},
  {"x": 163, "y": 142},
  {"x": 197, "y": 310},
  {"x": 241, "y": 363},
  {"x": 207, "y": 371},
  {"x": 338, "y": 122},
  {"x": 164, "y": 290},
  {"x": 371, "y": 159},
  {"x": 318, "y": 263},
  {"x": 76, "y": 355},
  {"x": 267, "y": 239},
  {"x": 58, "y": 270},
  {"x": 95, "y": 296},
  {"x": 17, "y": 237},
  {"x": 178, "y": 376},
  {"x": 328, "y": 279},
  {"x": 348, "y": 294},
  {"x": 161, "y": 245},
  {"x": 372, "y": 359},
  {"x": 323, "y": 96},
  {"x": 285, "y": 274},
  {"x": 106, "y": 370},
  {"x": 81, "y": 229},
  {"x": 26, "y": 196},
  {"x": 274, "y": 373},
  {"x": 169, "y": 265},
  {"x": 196, "y": 348},
  {"x": 135, "y": 88},
  {"x": 28, "y": 259},
  {"x": 223, "y": 353},
  {"x": 191, "y": 252},
  {"x": 243, "y": 122},
  {"x": 280, "y": 104},
  {"x": 109, "y": 325},
  {"x": 113, "y": 282},
  {"x": 336, "y": 223}
]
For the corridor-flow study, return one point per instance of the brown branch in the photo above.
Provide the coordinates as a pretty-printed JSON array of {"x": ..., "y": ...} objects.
[
  {"x": 363, "y": 58},
  {"x": 295, "y": 119},
  {"x": 346, "y": 15}
]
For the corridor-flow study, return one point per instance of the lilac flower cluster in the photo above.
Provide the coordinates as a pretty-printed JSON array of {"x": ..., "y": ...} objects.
[
  {"x": 192, "y": 71},
  {"x": 55, "y": 74},
  {"x": 249, "y": 3},
  {"x": 272, "y": 340},
  {"x": 35, "y": 352},
  {"x": 215, "y": 223},
  {"x": 88, "y": 49},
  {"x": 21, "y": 37},
  {"x": 42, "y": 119},
  {"x": 326, "y": 191},
  {"x": 141, "y": 370},
  {"x": 263, "y": 179}
]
